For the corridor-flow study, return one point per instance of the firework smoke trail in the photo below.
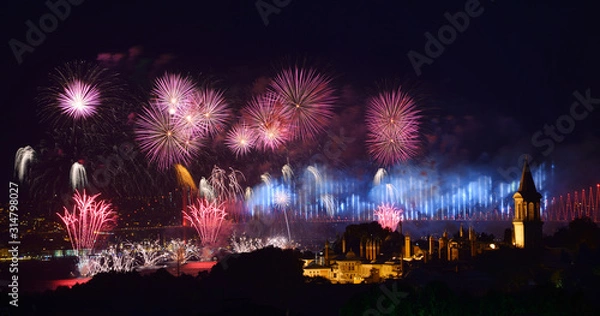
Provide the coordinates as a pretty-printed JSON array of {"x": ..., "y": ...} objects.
[
  {"x": 393, "y": 122},
  {"x": 388, "y": 216},
  {"x": 205, "y": 190},
  {"x": 163, "y": 139},
  {"x": 315, "y": 172},
  {"x": 248, "y": 193},
  {"x": 270, "y": 121},
  {"x": 24, "y": 157},
  {"x": 309, "y": 97},
  {"x": 172, "y": 92},
  {"x": 266, "y": 179},
  {"x": 329, "y": 203},
  {"x": 184, "y": 178},
  {"x": 240, "y": 139},
  {"x": 226, "y": 187},
  {"x": 379, "y": 176},
  {"x": 218, "y": 181},
  {"x": 207, "y": 218},
  {"x": 235, "y": 189},
  {"x": 78, "y": 176},
  {"x": 287, "y": 173},
  {"x": 87, "y": 219}
]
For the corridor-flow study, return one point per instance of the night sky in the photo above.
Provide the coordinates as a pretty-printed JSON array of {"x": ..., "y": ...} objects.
[{"x": 513, "y": 69}]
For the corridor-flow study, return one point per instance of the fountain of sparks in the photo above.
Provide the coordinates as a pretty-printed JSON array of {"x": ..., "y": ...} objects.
[
  {"x": 388, "y": 216},
  {"x": 244, "y": 243},
  {"x": 207, "y": 218},
  {"x": 88, "y": 218}
]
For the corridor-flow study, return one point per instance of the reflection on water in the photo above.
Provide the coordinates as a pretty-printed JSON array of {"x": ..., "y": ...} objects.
[{"x": 190, "y": 268}]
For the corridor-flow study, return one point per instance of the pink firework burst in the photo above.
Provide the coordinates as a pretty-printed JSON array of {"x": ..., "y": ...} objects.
[
  {"x": 213, "y": 110},
  {"x": 172, "y": 92},
  {"x": 207, "y": 218},
  {"x": 88, "y": 218},
  {"x": 78, "y": 91},
  {"x": 240, "y": 139},
  {"x": 270, "y": 121},
  {"x": 164, "y": 139},
  {"x": 78, "y": 99},
  {"x": 309, "y": 97},
  {"x": 388, "y": 216},
  {"x": 393, "y": 123}
]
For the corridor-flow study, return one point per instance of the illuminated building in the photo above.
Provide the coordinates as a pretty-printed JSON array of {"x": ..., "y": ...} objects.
[
  {"x": 350, "y": 268},
  {"x": 527, "y": 223}
]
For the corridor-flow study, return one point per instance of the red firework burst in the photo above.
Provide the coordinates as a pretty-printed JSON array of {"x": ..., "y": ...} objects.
[
  {"x": 393, "y": 123},
  {"x": 388, "y": 216},
  {"x": 309, "y": 97}
]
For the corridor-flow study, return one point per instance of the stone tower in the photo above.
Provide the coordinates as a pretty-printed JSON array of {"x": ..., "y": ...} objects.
[{"x": 527, "y": 224}]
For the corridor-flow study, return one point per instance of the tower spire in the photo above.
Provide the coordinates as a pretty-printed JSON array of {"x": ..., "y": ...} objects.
[{"x": 527, "y": 185}]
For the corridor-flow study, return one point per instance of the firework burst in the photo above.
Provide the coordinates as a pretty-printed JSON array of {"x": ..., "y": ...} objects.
[
  {"x": 240, "y": 139},
  {"x": 393, "y": 123},
  {"x": 270, "y": 121},
  {"x": 79, "y": 99},
  {"x": 309, "y": 97},
  {"x": 163, "y": 139},
  {"x": 79, "y": 91},
  {"x": 282, "y": 198},
  {"x": 213, "y": 110},
  {"x": 173, "y": 92}
]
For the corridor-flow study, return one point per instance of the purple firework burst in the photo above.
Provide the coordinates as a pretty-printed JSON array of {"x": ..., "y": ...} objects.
[
  {"x": 164, "y": 139},
  {"x": 393, "y": 124},
  {"x": 270, "y": 121},
  {"x": 309, "y": 97},
  {"x": 173, "y": 92},
  {"x": 240, "y": 139},
  {"x": 79, "y": 91},
  {"x": 78, "y": 99},
  {"x": 213, "y": 110}
]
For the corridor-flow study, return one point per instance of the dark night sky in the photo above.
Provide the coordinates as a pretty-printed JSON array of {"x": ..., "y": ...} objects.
[{"x": 512, "y": 70}]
